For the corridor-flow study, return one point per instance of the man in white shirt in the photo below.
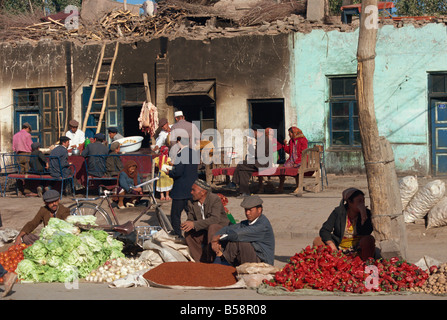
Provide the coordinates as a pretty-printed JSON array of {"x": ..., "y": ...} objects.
[
  {"x": 162, "y": 134},
  {"x": 76, "y": 136}
]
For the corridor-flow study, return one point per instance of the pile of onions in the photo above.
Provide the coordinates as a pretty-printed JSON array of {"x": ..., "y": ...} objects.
[{"x": 116, "y": 269}]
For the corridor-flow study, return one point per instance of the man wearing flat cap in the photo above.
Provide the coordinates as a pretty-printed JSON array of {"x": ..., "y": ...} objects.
[
  {"x": 96, "y": 153},
  {"x": 60, "y": 152},
  {"x": 205, "y": 216},
  {"x": 51, "y": 209},
  {"x": 77, "y": 136},
  {"x": 251, "y": 240},
  {"x": 114, "y": 134}
]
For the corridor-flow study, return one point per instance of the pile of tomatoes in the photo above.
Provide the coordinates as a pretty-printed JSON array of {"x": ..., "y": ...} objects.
[{"x": 10, "y": 258}]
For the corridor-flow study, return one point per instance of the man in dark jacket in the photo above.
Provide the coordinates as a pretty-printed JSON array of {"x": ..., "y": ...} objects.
[
  {"x": 51, "y": 209},
  {"x": 97, "y": 155},
  {"x": 56, "y": 167},
  {"x": 251, "y": 240},
  {"x": 184, "y": 172},
  {"x": 206, "y": 216}
]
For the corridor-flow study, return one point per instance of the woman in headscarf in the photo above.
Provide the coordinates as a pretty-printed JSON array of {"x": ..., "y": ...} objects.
[
  {"x": 349, "y": 226},
  {"x": 165, "y": 182},
  {"x": 294, "y": 148},
  {"x": 127, "y": 180}
]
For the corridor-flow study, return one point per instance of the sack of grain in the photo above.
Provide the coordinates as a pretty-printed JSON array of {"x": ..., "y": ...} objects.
[
  {"x": 408, "y": 187},
  {"x": 425, "y": 199},
  {"x": 437, "y": 216}
]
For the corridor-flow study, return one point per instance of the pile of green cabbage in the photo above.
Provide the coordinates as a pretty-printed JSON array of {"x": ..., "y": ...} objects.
[{"x": 63, "y": 253}]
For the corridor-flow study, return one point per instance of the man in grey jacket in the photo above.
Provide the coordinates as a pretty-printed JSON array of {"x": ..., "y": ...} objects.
[
  {"x": 206, "y": 215},
  {"x": 251, "y": 240}
]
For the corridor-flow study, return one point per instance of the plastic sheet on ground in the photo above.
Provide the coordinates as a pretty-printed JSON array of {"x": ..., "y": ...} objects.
[
  {"x": 238, "y": 285},
  {"x": 265, "y": 289},
  {"x": 132, "y": 280}
]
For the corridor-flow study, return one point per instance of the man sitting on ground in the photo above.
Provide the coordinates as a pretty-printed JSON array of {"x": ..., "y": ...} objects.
[
  {"x": 51, "y": 209},
  {"x": 251, "y": 240},
  {"x": 206, "y": 215}
]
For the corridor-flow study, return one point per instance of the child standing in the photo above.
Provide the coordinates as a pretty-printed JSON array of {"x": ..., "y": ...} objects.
[{"x": 165, "y": 183}]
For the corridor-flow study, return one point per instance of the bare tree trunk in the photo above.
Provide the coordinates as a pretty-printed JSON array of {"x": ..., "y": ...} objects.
[{"x": 378, "y": 157}]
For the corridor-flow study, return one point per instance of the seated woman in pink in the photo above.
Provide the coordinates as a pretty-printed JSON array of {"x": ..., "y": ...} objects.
[{"x": 294, "y": 148}]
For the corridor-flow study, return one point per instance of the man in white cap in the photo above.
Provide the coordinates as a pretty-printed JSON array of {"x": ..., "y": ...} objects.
[
  {"x": 184, "y": 129},
  {"x": 76, "y": 135}
]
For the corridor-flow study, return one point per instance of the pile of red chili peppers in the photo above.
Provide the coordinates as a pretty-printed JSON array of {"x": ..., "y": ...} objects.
[{"x": 321, "y": 268}]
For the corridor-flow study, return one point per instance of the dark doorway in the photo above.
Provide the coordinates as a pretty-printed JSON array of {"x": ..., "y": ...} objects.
[
  {"x": 131, "y": 125},
  {"x": 269, "y": 113}
]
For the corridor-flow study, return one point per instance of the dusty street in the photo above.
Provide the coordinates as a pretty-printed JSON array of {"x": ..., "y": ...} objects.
[{"x": 296, "y": 221}]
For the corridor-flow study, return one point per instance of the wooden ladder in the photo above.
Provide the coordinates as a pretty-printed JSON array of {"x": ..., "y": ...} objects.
[{"x": 105, "y": 68}]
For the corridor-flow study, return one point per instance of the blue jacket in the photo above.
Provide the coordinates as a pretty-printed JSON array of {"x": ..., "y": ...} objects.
[
  {"x": 184, "y": 172},
  {"x": 126, "y": 182},
  {"x": 259, "y": 234}
]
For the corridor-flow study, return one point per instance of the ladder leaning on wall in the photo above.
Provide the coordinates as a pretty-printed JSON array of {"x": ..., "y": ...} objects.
[{"x": 105, "y": 68}]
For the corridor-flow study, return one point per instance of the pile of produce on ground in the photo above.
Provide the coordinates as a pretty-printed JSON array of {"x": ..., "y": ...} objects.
[
  {"x": 192, "y": 274},
  {"x": 63, "y": 253},
  {"x": 436, "y": 282},
  {"x": 10, "y": 258},
  {"x": 321, "y": 268},
  {"x": 116, "y": 269}
]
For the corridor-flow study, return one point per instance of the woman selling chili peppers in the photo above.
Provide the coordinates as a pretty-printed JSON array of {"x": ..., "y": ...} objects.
[{"x": 349, "y": 226}]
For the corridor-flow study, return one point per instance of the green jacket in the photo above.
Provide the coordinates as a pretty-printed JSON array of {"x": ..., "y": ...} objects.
[{"x": 334, "y": 227}]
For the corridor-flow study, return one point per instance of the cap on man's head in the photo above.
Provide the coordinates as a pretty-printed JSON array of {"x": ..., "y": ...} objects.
[
  {"x": 251, "y": 202},
  {"x": 178, "y": 114},
  {"x": 202, "y": 184},
  {"x": 115, "y": 145},
  {"x": 99, "y": 136},
  {"x": 51, "y": 195},
  {"x": 26, "y": 125},
  {"x": 162, "y": 122},
  {"x": 64, "y": 139},
  {"x": 73, "y": 123},
  {"x": 113, "y": 130}
]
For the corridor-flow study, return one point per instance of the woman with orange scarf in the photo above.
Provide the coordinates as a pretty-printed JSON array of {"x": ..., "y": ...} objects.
[
  {"x": 297, "y": 143},
  {"x": 127, "y": 180}
]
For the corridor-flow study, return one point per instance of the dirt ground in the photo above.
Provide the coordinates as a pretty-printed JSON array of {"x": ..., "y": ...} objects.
[{"x": 295, "y": 220}]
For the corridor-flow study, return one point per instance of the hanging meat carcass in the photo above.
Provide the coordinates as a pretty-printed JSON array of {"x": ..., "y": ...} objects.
[{"x": 148, "y": 119}]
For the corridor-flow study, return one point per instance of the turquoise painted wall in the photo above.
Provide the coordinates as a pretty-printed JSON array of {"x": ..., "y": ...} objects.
[{"x": 404, "y": 57}]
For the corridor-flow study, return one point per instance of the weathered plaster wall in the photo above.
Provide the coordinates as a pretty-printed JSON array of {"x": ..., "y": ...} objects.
[
  {"x": 22, "y": 66},
  {"x": 245, "y": 67},
  {"x": 404, "y": 56}
]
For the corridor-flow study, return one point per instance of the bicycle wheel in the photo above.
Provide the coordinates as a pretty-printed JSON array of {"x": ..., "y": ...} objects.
[
  {"x": 163, "y": 220},
  {"x": 87, "y": 208}
]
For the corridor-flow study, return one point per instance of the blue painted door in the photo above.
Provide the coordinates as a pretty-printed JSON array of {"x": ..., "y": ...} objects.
[
  {"x": 32, "y": 117},
  {"x": 438, "y": 111}
]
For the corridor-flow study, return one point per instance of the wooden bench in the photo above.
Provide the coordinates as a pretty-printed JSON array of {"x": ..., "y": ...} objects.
[
  {"x": 310, "y": 167},
  {"x": 15, "y": 171}
]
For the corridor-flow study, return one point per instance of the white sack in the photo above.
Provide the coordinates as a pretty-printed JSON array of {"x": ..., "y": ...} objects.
[
  {"x": 408, "y": 187},
  {"x": 437, "y": 216},
  {"x": 425, "y": 199}
]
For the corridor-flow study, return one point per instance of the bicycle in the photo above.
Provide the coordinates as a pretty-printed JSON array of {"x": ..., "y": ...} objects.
[{"x": 110, "y": 223}]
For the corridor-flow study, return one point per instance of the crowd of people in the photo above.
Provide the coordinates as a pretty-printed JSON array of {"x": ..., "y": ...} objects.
[{"x": 207, "y": 230}]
